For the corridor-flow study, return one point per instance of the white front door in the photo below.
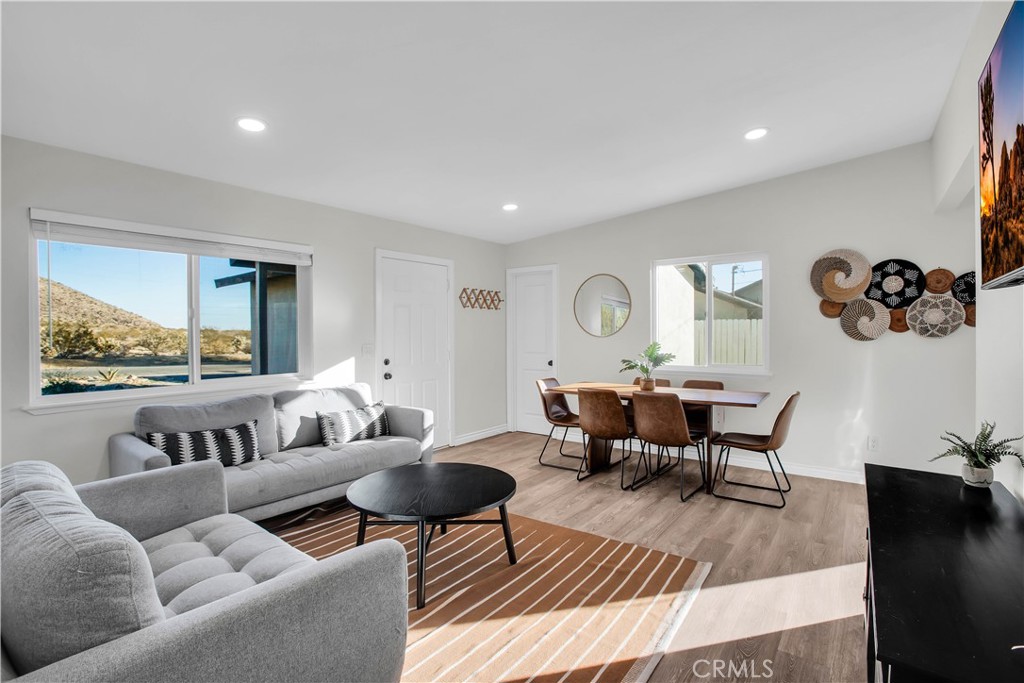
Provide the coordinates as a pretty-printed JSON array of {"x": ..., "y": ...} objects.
[
  {"x": 413, "y": 348},
  {"x": 532, "y": 343}
]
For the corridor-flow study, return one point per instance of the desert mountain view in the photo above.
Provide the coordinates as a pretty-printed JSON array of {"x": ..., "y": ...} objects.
[{"x": 73, "y": 307}]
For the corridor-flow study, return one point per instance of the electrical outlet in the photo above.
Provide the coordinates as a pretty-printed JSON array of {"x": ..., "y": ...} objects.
[{"x": 872, "y": 443}]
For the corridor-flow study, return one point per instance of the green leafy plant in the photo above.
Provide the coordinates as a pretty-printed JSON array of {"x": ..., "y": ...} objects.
[
  {"x": 983, "y": 452},
  {"x": 645, "y": 363}
]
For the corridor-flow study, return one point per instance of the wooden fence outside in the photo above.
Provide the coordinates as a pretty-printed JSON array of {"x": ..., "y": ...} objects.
[{"x": 734, "y": 342}]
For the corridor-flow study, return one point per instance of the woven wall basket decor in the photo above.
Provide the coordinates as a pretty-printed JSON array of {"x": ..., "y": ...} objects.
[
  {"x": 939, "y": 280},
  {"x": 830, "y": 309},
  {"x": 896, "y": 283},
  {"x": 898, "y": 320},
  {"x": 969, "y": 312},
  {"x": 964, "y": 288},
  {"x": 840, "y": 275},
  {"x": 864, "y": 320},
  {"x": 936, "y": 315}
]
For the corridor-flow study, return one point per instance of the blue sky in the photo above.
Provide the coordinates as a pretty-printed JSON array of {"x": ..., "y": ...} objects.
[
  {"x": 149, "y": 283},
  {"x": 721, "y": 275}
]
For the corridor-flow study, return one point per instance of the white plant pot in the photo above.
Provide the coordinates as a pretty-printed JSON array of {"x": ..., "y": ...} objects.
[{"x": 980, "y": 477}]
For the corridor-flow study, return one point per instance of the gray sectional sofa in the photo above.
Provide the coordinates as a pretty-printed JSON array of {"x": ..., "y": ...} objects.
[
  {"x": 295, "y": 469},
  {"x": 147, "y": 578}
]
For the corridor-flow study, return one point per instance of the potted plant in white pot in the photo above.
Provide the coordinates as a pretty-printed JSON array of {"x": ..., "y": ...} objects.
[
  {"x": 979, "y": 455},
  {"x": 645, "y": 363}
]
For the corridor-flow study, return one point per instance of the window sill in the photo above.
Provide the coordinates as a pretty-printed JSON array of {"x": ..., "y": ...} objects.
[
  {"x": 730, "y": 371},
  {"x": 47, "y": 405}
]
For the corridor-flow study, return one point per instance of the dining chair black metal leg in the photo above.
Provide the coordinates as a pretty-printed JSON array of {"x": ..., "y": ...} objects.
[
  {"x": 540, "y": 458},
  {"x": 789, "y": 487},
  {"x": 610, "y": 448},
  {"x": 561, "y": 448},
  {"x": 662, "y": 469},
  {"x": 778, "y": 487},
  {"x": 683, "y": 496},
  {"x": 644, "y": 459},
  {"x": 584, "y": 462}
]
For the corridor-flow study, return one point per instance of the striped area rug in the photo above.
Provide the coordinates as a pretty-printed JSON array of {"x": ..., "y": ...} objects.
[{"x": 576, "y": 607}]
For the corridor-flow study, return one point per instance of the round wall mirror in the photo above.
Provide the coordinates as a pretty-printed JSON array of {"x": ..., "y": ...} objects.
[{"x": 602, "y": 305}]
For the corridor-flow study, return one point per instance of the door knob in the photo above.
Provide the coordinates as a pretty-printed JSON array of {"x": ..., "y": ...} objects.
[
  {"x": 551, "y": 363},
  {"x": 387, "y": 375}
]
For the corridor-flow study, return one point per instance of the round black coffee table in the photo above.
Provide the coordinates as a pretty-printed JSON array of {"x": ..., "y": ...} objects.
[{"x": 435, "y": 493}]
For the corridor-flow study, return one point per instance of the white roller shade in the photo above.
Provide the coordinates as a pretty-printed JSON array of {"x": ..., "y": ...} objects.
[{"x": 68, "y": 227}]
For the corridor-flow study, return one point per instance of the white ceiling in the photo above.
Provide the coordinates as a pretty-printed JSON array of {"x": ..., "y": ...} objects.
[{"x": 439, "y": 113}]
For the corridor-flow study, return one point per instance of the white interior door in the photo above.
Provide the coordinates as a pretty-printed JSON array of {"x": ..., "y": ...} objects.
[
  {"x": 532, "y": 344},
  {"x": 413, "y": 351}
]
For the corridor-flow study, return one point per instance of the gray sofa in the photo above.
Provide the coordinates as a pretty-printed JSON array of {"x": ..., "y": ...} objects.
[
  {"x": 295, "y": 470},
  {"x": 147, "y": 578}
]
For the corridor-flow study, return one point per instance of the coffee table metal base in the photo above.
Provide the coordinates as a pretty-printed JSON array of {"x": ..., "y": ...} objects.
[{"x": 423, "y": 541}]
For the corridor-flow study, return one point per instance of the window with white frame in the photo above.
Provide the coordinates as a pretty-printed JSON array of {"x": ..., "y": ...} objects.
[
  {"x": 712, "y": 312},
  {"x": 125, "y": 307}
]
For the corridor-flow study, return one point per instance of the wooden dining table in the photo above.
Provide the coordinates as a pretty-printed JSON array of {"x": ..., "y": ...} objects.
[{"x": 709, "y": 398}]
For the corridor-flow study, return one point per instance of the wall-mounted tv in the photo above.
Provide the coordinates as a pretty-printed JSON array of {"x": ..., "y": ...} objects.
[{"x": 1001, "y": 156}]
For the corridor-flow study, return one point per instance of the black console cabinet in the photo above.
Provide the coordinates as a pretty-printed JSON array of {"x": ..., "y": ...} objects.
[{"x": 945, "y": 586}]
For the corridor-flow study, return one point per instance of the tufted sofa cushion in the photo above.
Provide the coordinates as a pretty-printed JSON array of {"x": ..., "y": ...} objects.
[
  {"x": 296, "y": 471},
  {"x": 210, "y": 559},
  {"x": 70, "y": 581},
  {"x": 33, "y": 475}
]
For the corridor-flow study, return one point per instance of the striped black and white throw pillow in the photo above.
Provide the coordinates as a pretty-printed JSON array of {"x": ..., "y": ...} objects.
[
  {"x": 231, "y": 445},
  {"x": 353, "y": 425}
]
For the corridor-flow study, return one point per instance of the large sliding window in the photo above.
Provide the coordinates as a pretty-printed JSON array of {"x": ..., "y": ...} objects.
[
  {"x": 712, "y": 312},
  {"x": 131, "y": 308}
]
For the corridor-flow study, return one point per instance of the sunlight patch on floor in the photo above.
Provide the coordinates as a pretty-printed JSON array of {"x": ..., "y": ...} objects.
[{"x": 722, "y": 614}]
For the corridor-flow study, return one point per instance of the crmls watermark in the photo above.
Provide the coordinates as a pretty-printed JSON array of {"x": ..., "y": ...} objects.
[{"x": 745, "y": 668}]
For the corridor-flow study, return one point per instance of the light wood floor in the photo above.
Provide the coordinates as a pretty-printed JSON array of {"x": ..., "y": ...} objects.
[{"x": 785, "y": 584}]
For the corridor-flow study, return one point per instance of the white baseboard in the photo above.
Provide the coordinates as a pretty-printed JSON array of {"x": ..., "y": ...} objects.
[
  {"x": 482, "y": 434},
  {"x": 757, "y": 462}
]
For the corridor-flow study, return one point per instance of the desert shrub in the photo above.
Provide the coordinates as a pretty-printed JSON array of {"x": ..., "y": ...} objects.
[
  {"x": 62, "y": 382},
  {"x": 177, "y": 341},
  {"x": 154, "y": 340},
  {"x": 106, "y": 346},
  {"x": 216, "y": 342},
  {"x": 70, "y": 340}
]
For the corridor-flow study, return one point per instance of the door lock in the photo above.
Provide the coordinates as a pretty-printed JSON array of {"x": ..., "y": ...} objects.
[
  {"x": 387, "y": 361},
  {"x": 551, "y": 363}
]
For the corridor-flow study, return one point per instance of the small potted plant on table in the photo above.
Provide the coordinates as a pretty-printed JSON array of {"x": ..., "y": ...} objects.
[
  {"x": 980, "y": 455},
  {"x": 645, "y": 363}
]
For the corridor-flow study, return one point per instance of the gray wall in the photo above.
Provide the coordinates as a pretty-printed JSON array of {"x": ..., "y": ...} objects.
[
  {"x": 343, "y": 285},
  {"x": 904, "y": 389}
]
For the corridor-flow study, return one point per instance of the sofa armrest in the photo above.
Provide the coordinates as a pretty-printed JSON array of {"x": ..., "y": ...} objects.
[
  {"x": 344, "y": 618},
  {"x": 417, "y": 423},
  {"x": 150, "y": 503},
  {"x": 128, "y": 454}
]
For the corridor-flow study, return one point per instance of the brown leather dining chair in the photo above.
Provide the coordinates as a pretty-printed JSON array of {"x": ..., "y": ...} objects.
[
  {"x": 558, "y": 414},
  {"x": 602, "y": 416},
  {"x": 758, "y": 443},
  {"x": 697, "y": 416},
  {"x": 659, "y": 420}
]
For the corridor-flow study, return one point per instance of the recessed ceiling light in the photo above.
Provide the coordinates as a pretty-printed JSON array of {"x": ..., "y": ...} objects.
[
  {"x": 756, "y": 133},
  {"x": 251, "y": 125},
  {"x": 510, "y": 207}
]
